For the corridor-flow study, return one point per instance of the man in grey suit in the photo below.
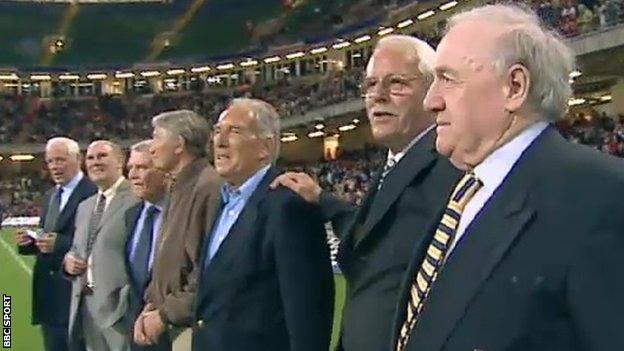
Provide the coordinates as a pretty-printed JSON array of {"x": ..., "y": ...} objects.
[{"x": 96, "y": 264}]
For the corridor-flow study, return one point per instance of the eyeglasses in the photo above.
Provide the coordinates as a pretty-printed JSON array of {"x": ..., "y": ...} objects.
[{"x": 395, "y": 84}]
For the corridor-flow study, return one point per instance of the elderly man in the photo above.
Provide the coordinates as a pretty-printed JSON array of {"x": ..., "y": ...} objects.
[
  {"x": 51, "y": 293},
  {"x": 262, "y": 287},
  {"x": 518, "y": 260},
  {"x": 144, "y": 222},
  {"x": 179, "y": 148},
  {"x": 95, "y": 263},
  {"x": 406, "y": 195}
]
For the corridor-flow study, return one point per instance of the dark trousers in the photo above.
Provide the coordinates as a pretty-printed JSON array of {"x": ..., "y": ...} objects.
[{"x": 54, "y": 338}]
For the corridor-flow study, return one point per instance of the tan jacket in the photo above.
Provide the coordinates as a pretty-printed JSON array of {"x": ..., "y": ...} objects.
[{"x": 194, "y": 201}]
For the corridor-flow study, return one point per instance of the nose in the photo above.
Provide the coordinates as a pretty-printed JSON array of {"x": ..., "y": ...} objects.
[{"x": 433, "y": 101}]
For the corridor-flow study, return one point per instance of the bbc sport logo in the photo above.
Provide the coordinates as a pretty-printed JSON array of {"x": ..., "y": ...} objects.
[{"x": 6, "y": 321}]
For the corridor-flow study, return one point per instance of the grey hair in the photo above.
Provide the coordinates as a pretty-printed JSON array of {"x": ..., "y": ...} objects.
[
  {"x": 188, "y": 125},
  {"x": 73, "y": 149},
  {"x": 268, "y": 121},
  {"x": 142, "y": 146},
  {"x": 415, "y": 49},
  {"x": 527, "y": 42},
  {"x": 114, "y": 146}
]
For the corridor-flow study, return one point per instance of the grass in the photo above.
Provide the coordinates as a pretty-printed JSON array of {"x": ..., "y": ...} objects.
[{"x": 15, "y": 281}]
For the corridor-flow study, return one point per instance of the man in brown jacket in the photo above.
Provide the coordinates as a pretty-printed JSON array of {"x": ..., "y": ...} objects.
[{"x": 179, "y": 147}]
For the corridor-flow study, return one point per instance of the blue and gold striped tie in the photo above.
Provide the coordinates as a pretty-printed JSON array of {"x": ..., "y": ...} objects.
[{"x": 437, "y": 253}]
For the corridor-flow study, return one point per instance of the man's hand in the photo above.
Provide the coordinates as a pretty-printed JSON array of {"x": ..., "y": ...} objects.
[
  {"x": 153, "y": 326},
  {"x": 139, "y": 331},
  {"x": 46, "y": 242},
  {"x": 23, "y": 239},
  {"x": 73, "y": 264},
  {"x": 301, "y": 183}
]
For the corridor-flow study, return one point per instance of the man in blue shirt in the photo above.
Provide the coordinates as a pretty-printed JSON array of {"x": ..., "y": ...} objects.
[
  {"x": 261, "y": 287},
  {"x": 144, "y": 221}
]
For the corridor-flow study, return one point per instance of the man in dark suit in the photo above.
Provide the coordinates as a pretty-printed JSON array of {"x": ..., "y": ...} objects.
[
  {"x": 517, "y": 260},
  {"x": 262, "y": 287},
  {"x": 144, "y": 221},
  {"x": 377, "y": 242},
  {"x": 51, "y": 293}
]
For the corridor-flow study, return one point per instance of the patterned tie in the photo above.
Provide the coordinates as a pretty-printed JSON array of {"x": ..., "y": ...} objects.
[
  {"x": 140, "y": 261},
  {"x": 390, "y": 163},
  {"x": 94, "y": 222},
  {"x": 437, "y": 253},
  {"x": 54, "y": 209}
]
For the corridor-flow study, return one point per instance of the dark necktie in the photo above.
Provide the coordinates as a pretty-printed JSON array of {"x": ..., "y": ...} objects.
[
  {"x": 390, "y": 163},
  {"x": 54, "y": 210},
  {"x": 140, "y": 261},
  {"x": 94, "y": 222},
  {"x": 437, "y": 253}
]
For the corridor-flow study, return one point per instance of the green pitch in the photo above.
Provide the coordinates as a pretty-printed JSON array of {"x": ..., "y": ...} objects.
[{"x": 16, "y": 280}]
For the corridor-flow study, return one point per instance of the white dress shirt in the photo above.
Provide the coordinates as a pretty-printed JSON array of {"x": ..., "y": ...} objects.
[
  {"x": 493, "y": 171},
  {"x": 68, "y": 189}
]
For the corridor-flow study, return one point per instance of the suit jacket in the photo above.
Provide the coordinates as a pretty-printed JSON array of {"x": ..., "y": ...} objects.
[
  {"x": 135, "y": 302},
  {"x": 112, "y": 288},
  {"x": 137, "y": 291},
  {"x": 376, "y": 250},
  {"x": 270, "y": 284},
  {"x": 193, "y": 204},
  {"x": 540, "y": 267},
  {"x": 51, "y": 293}
]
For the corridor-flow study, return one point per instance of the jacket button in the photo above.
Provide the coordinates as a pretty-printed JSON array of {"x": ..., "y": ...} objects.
[
  {"x": 200, "y": 323},
  {"x": 51, "y": 272}
]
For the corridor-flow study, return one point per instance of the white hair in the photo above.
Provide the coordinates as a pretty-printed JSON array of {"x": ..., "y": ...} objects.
[
  {"x": 267, "y": 119},
  {"x": 188, "y": 125},
  {"x": 73, "y": 149},
  {"x": 527, "y": 42},
  {"x": 414, "y": 48}
]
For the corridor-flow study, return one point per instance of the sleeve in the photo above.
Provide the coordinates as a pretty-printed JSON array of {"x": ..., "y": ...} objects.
[
  {"x": 63, "y": 242},
  {"x": 178, "y": 306},
  {"x": 336, "y": 211},
  {"x": 304, "y": 272},
  {"x": 595, "y": 287}
]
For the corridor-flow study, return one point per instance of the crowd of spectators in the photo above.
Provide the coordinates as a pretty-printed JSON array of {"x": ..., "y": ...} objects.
[
  {"x": 27, "y": 119},
  {"x": 349, "y": 176}
]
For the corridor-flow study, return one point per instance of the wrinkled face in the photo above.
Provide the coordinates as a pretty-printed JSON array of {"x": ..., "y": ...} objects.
[
  {"x": 165, "y": 149},
  {"x": 239, "y": 151},
  {"x": 394, "y": 91},
  {"x": 62, "y": 166},
  {"x": 148, "y": 183},
  {"x": 104, "y": 165},
  {"x": 467, "y": 95}
]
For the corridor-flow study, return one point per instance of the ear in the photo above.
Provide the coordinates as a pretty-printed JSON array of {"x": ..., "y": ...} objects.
[
  {"x": 265, "y": 149},
  {"x": 180, "y": 145},
  {"x": 517, "y": 83}
]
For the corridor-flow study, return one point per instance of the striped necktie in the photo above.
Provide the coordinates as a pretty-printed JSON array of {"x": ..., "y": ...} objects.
[
  {"x": 436, "y": 254},
  {"x": 390, "y": 163}
]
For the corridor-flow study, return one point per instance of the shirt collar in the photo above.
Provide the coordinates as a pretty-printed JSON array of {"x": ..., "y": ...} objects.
[
  {"x": 158, "y": 205},
  {"x": 73, "y": 183},
  {"x": 493, "y": 170},
  {"x": 111, "y": 191},
  {"x": 399, "y": 155},
  {"x": 245, "y": 190}
]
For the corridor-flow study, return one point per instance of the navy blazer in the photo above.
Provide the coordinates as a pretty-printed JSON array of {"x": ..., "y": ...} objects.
[
  {"x": 51, "y": 292},
  {"x": 270, "y": 284}
]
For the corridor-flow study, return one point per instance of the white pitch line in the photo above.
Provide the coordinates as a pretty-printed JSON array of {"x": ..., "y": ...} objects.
[{"x": 15, "y": 256}]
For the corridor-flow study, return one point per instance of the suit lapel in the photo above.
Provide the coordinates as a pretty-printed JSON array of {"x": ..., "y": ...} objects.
[
  {"x": 116, "y": 204},
  {"x": 417, "y": 159},
  {"x": 72, "y": 203},
  {"x": 245, "y": 223},
  {"x": 132, "y": 217},
  {"x": 486, "y": 241}
]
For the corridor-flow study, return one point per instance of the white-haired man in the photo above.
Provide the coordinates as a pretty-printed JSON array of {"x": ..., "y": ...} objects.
[
  {"x": 518, "y": 260},
  {"x": 375, "y": 250},
  {"x": 266, "y": 281},
  {"x": 51, "y": 293}
]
